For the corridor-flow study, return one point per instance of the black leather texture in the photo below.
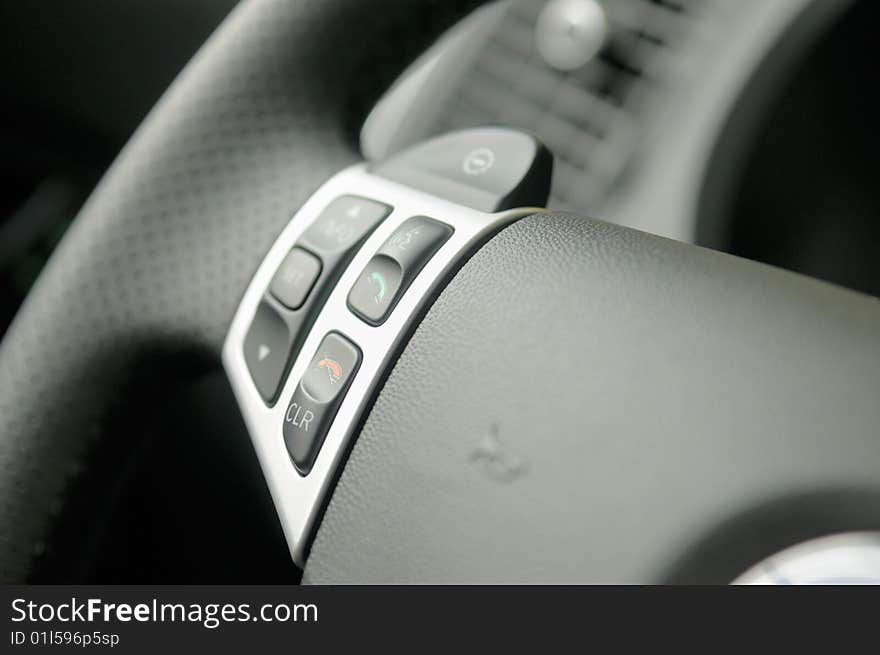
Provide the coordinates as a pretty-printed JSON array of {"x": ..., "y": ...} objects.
[
  {"x": 587, "y": 403},
  {"x": 158, "y": 258}
]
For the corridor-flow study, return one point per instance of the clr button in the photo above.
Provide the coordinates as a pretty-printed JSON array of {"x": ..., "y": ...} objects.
[{"x": 317, "y": 398}]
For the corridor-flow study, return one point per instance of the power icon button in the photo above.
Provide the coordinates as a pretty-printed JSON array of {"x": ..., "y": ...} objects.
[
  {"x": 488, "y": 168},
  {"x": 478, "y": 161}
]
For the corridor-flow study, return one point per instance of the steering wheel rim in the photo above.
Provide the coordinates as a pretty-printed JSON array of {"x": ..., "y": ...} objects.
[
  {"x": 161, "y": 253},
  {"x": 163, "y": 249}
]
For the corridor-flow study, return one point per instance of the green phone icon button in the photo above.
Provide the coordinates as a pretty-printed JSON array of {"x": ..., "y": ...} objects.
[
  {"x": 377, "y": 280},
  {"x": 376, "y": 290}
]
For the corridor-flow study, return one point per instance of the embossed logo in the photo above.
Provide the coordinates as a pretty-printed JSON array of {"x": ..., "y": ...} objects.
[{"x": 495, "y": 460}]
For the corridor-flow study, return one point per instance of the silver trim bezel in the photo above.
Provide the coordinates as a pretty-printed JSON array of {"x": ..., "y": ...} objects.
[{"x": 299, "y": 500}]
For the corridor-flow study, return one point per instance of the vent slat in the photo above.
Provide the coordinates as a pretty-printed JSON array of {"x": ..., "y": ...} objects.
[{"x": 590, "y": 117}]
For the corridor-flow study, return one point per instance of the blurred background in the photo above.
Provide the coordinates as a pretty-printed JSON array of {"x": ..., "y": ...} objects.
[{"x": 78, "y": 77}]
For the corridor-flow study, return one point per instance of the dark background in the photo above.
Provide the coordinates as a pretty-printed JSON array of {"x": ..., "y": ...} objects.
[{"x": 78, "y": 77}]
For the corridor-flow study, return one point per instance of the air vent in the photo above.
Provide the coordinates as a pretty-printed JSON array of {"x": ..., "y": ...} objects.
[{"x": 590, "y": 117}]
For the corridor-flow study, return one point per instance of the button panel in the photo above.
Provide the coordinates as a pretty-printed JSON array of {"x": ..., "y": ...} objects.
[
  {"x": 302, "y": 428},
  {"x": 302, "y": 282},
  {"x": 317, "y": 398},
  {"x": 392, "y": 269}
]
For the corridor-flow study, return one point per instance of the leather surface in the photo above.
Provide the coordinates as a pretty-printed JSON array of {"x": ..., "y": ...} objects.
[
  {"x": 158, "y": 258},
  {"x": 587, "y": 403}
]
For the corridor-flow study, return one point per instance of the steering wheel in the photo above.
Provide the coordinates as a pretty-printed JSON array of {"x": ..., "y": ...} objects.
[{"x": 660, "y": 412}]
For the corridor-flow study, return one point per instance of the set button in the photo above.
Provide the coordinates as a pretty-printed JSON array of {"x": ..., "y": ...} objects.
[{"x": 295, "y": 278}]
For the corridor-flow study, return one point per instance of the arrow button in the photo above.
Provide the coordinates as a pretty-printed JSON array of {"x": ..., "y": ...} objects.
[{"x": 266, "y": 347}]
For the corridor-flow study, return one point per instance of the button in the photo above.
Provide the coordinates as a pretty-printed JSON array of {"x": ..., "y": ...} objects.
[
  {"x": 344, "y": 223},
  {"x": 301, "y": 284},
  {"x": 488, "y": 168},
  {"x": 295, "y": 278},
  {"x": 266, "y": 348},
  {"x": 317, "y": 398},
  {"x": 394, "y": 266},
  {"x": 371, "y": 296}
]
